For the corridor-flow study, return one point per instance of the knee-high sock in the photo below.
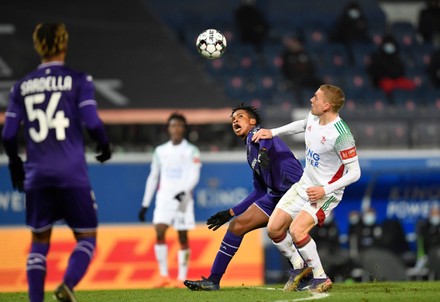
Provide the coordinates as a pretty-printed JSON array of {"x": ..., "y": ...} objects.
[
  {"x": 288, "y": 249},
  {"x": 183, "y": 261},
  {"x": 161, "y": 252},
  {"x": 228, "y": 248},
  {"x": 79, "y": 261},
  {"x": 310, "y": 255},
  {"x": 36, "y": 271}
]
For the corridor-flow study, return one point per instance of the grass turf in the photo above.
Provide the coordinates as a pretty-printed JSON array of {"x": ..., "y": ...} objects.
[{"x": 371, "y": 291}]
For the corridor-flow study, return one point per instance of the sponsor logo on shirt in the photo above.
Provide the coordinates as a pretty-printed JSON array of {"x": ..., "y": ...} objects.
[
  {"x": 349, "y": 153},
  {"x": 312, "y": 157}
]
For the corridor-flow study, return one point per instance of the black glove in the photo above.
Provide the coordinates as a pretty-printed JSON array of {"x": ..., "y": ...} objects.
[
  {"x": 179, "y": 196},
  {"x": 219, "y": 219},
  {"x": 142, "y": 212},
  {"x": 16, "y": 170},
  {"x": 263, "y": 158},
  {"x": 104, "y": 152}
]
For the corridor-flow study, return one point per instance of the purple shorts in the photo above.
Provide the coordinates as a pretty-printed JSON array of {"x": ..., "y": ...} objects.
[
  {"x": 76, "y": 206},
  {"x": 268, "y": 202}
]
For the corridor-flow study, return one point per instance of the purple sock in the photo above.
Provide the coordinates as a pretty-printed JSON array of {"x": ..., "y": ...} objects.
[
  {"x": 228, "y": 248},
  {"x": 36, "y": 271},
  {"x": 79, "y": 261}
]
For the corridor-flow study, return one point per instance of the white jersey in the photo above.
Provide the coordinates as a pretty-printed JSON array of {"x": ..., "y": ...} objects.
[
  {"x": 174, "y": 168},
  {"x": 328, "y": 149}
]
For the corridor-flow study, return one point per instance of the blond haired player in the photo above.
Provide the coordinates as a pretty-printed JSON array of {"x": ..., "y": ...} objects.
[{"x": 331, "y": 165}]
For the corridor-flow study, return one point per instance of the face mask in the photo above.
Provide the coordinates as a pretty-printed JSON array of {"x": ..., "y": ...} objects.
[
  {"x": 434, "y": 220},
  {"x": 354, "y": 219},
  {"x": 369, "y": 219},
  {"x": 353, "y": 13},
  {"x": 389, "y": 48}
]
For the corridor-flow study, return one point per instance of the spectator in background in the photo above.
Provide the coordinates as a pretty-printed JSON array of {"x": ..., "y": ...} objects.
[
  {"x": 433, "y": 68},
  {"x": 298, "y": 67},
  {"x": 354, "y": 233},
  {"x": 54, "y": 104},
  {"x": 429, "y": 22},
  {"x": 370, "y": 230},
  {"x": 174, "y": 173},
  {"x": 252, "y": 24},
  {"x": 428, "y": 235},
  {"x": 386, "y": 69},
  {"x": 351, "y": 27}
]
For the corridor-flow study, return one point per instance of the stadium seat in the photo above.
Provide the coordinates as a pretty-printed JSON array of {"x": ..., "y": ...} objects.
[
  {"x": 336, "y": 56},
  {"x": 407, "y": 99},
  {"x": 362, "y": 54},
  {"x": 404, "y": 33},
  {"x": 398, "y": 134},
  {"x": 369, "y": 134},
  {"x": 315, "y": 38},
  {"x": 235, "y": 87},
  {"x": 425, "y": 134}
]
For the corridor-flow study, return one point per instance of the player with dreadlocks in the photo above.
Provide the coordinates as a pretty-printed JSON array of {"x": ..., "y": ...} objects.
[
  {"x": 275, "y": 170},
  {"x": 54, "y": 102}
]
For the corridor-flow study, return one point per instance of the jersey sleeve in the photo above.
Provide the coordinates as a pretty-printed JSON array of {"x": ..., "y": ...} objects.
[
  {"x": 292, "y": 128},
  {"x": 13, "y": 117},
  {"x": 152, "y": 180},
  {"x": 89, "y": 111},
  {"x": 195, "y": 170},
  {"x": 346, "y": 148}
]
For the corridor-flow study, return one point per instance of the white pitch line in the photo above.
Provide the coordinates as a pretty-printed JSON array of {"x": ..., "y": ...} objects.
[{"x": 315, "y": 296}]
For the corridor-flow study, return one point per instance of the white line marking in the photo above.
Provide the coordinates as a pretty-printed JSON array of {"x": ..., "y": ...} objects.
[{"x": 315, "y": 296}]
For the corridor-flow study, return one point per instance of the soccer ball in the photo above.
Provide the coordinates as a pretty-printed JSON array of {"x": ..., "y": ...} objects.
[{"x": 211, "y": 44}]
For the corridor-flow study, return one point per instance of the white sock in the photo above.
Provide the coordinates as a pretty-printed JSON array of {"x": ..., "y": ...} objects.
[
  {"x": 310, "y": 254},
  {"x": 289, "y": 251},
  {"x": 183, "y": 261},
  {"x": 161, "y": 252}
]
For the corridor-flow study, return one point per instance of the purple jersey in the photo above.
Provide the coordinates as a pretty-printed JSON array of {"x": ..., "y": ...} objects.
[
  {"x": 53, "y": 102},
  {"x": 270, "y": 184}
]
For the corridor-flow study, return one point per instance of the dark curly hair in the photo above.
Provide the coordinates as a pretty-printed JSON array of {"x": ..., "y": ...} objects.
[
  {"x": 177, "y": 116},
  {"x": 251, "y": 110},
  {"x": 50, "y": 39}
]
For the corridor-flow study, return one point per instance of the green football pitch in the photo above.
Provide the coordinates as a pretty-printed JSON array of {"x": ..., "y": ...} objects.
[{"x": 370, "y": 291}]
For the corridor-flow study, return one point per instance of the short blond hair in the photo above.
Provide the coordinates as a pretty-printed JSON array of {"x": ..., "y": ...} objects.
[
  {"x": 50, "y": 39},
  {"x": 335, "y": 96}
]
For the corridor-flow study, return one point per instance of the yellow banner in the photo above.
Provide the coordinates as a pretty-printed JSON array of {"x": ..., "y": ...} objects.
[{"x": 125, "y": 258}]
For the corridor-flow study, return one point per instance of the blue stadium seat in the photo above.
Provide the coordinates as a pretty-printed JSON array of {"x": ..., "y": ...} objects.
[
  {"x": 362, "y": 54},
  {"x": 407, "y": 100},
  {"x": 336, "y": 55},
  {"x": 426, "y": 134},
  {"x": 404, "y": 33},
  {"x": 315, "y": 38}
]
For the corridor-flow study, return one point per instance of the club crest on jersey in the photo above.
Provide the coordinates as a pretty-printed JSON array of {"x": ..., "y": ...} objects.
[
  {"x": 323, "y": 140},
  {"x": 309, "y": 128}
]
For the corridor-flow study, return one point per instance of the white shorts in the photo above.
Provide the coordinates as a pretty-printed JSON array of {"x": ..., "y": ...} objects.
[
  {"x": 292, "y": 203},
  {"x": 170, "y": 211}
]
